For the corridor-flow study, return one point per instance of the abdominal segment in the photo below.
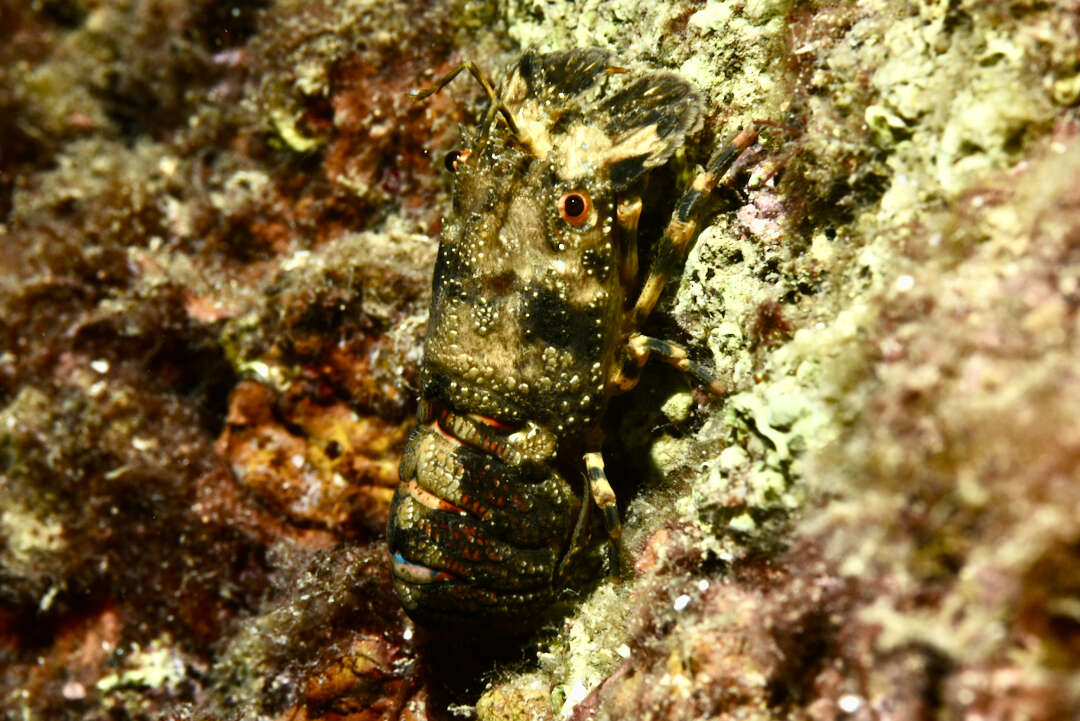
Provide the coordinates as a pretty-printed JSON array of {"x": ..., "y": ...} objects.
[{"x": 473, "y": 538}]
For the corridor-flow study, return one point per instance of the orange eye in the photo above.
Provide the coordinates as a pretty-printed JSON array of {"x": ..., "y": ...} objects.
[
  {"x": 574, "y": 207},
  {"x": 454, "y": 157}
]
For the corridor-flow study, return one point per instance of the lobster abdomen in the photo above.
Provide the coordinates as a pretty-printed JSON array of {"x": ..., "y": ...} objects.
[{"x": 475, "y": 539}]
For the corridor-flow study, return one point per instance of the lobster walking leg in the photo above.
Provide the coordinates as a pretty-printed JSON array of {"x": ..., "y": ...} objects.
[
  {"x": 628, "y": 213},
  {"x": 604, "y": 497},
  {"x": 682, "y": 228}
]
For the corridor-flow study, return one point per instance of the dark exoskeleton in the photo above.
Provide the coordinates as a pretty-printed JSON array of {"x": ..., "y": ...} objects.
[{"x": 535, "y": 315}]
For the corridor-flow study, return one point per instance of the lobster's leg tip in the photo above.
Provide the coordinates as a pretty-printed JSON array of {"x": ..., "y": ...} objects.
[{"x": 604, "y": 497}]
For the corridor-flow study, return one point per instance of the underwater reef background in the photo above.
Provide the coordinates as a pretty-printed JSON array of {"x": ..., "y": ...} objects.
[{"x": 217, "y": 228}]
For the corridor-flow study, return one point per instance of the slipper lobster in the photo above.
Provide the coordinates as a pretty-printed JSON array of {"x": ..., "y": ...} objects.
[{"x": 536, "y": 307}]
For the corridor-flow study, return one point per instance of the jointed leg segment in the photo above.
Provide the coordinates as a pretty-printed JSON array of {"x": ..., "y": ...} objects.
[
  {"x": 642, "y": 346},
  {"x": 605, "y": 501},
  {"x": 668, "y": 258},
  {"x": 671, "y": 250},
  {"x": 628, "y": 213}
]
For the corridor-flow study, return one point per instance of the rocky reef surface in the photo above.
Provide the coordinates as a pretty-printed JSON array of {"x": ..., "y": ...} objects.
[{"x": 217, "y": 227}]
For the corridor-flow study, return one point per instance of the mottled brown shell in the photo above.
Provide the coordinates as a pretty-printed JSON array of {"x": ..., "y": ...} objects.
[{"x": 528, "y": 323}]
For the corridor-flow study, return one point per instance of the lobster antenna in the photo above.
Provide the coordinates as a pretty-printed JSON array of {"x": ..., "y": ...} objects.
[{"x": 495, "y": 106}]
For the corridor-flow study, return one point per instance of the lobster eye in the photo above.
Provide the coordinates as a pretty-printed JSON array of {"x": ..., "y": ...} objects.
[
  {"x": 574, "y": 207},
  {"x": 454, "y": 157}
]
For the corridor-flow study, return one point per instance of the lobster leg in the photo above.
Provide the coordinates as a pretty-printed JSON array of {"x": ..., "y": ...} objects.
[
  {"x": 682, "y": 228},
  {"x": 642, "y": 346},
  {"x": 668, "y": 259},
  {"x": 604, "y": 498},
  {"x": 628, "y": 213}
]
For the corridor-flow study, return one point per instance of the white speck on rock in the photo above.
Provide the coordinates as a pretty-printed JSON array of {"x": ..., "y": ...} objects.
[{"x": 850, "y": 703}]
